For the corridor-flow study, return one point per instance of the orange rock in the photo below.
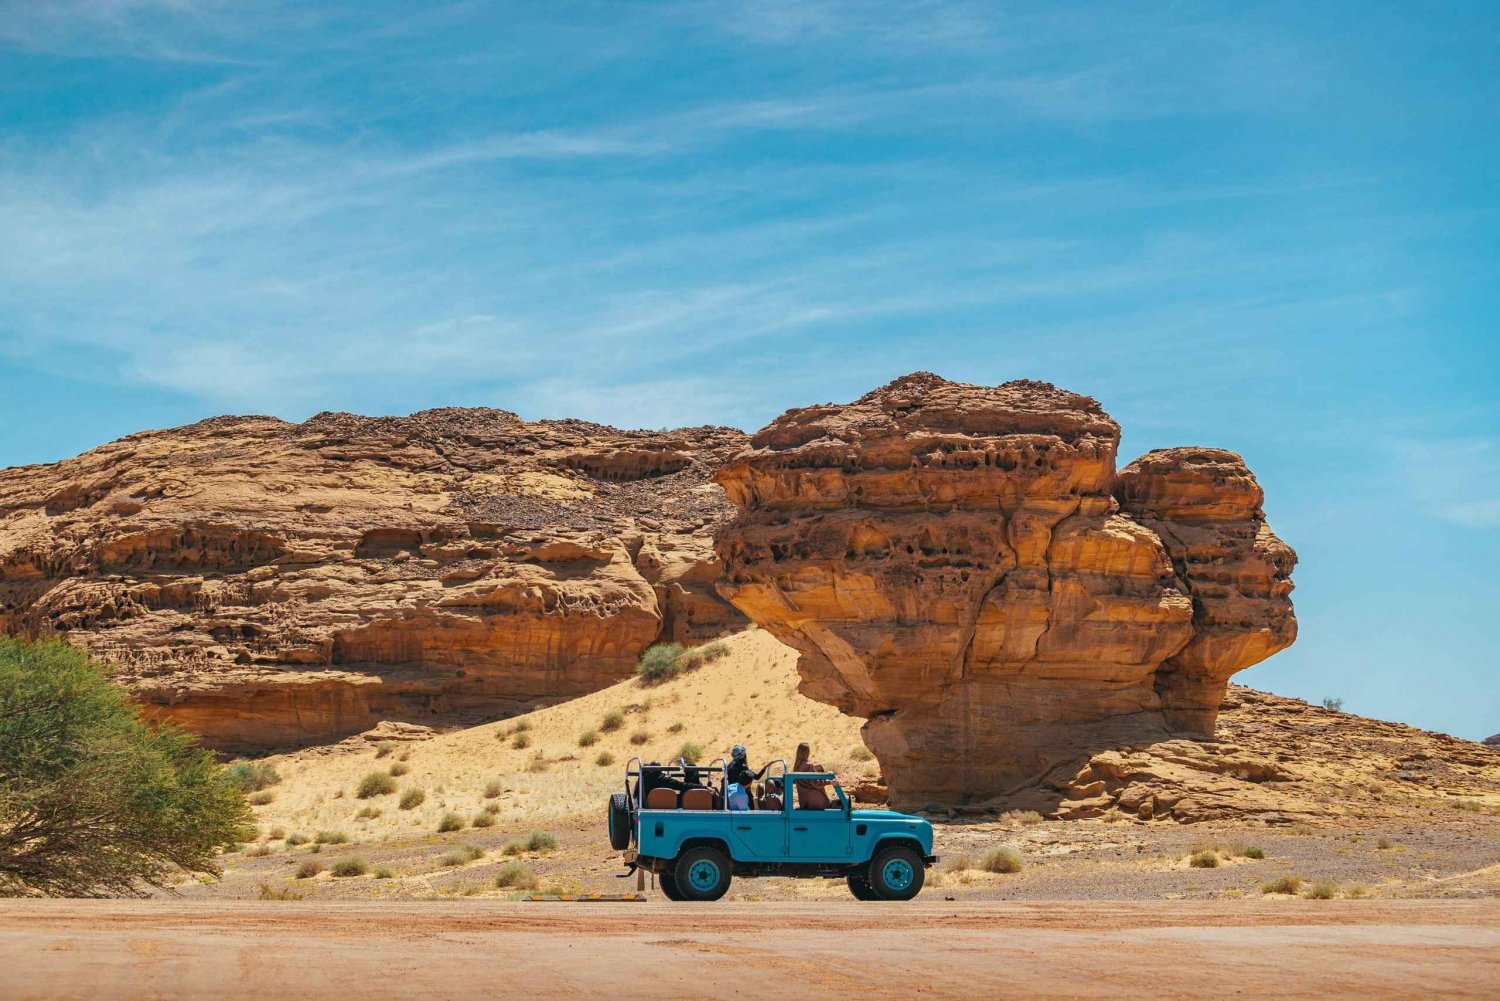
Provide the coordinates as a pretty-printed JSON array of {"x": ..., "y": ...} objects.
[
  {"x": 951, "y": 564},
  {"x": 268, "y": 584}
]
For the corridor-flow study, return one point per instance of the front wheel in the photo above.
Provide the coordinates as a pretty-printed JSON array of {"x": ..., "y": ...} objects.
[
  {"x": 860, "y": 888},
  {"x": 702, "y": 873},
  {"x": 896, "y": 873}
]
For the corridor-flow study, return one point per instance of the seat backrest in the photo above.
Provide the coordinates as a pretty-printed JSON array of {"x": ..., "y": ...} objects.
[
  {"x": 697, "y": 799},
  {"x": 661, "y": 798}
]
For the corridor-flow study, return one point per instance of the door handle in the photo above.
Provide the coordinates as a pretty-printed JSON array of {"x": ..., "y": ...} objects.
[
  {"x": 799, "y": 828},
  {"x": 742, "y": 827}
]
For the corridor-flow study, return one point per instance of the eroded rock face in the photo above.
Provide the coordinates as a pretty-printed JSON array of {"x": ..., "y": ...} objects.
[
  {"x": 268, "y": 584},
  {"x": 952, "y": 564}
]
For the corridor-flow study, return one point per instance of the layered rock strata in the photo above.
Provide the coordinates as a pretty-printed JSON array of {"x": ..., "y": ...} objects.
[
  {"x": 268, "y": 584},
  {"x": 963, "y": 567}
]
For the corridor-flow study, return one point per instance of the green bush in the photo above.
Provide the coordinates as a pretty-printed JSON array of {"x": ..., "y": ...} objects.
[
  {"x": 588, "y": 738},
  {"x": 515, "y": 876},
  {"x": 375, "y": 784},
  {"x": 92, "y": 800},
  {"x": 1254, "y": 851},
  {"x": 1002, "y": 859},
  {"x": 1204, "y": 860},
  {"x": 541, "y": 841},
  {"x": 613, "y": 720},
  {"x": 350, "y": 866},
  {"x": 660, "y": 662},
  {"x": 412, "y": 798},
  {"x": 253, "y": 776},
  {"x": 690, "y": 752},
  {"x": 450, "y": 822},
  {"x": 384, "y": 872}
]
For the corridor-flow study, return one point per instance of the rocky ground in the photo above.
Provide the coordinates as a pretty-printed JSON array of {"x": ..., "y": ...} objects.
[{"x": 1372, "y": 809}]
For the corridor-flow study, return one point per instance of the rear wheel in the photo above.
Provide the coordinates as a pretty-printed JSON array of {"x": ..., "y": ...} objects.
[
  {"x": 668, "y": 885},
  {"x": 619, "y": 821},
  {"x": 860, "y": 888},
  {"x": 702, "y": 873},
  {"x": 896, "y": 873}
]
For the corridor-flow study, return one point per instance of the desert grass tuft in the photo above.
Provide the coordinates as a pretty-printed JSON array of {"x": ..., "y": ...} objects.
[
  {"x": 1285, "y": 883},
  {"x": 1002, "y": 859},
  {"x": 375, "y": 784},
  {"x": 450, "y": 822},
  {"x": 515, "y": 876},
  {"x": 351, "y": 865},
  {"x": 309, "y": 868},
  {"x": 613, "y": 720},
  {"x": 413, "y": 798}
]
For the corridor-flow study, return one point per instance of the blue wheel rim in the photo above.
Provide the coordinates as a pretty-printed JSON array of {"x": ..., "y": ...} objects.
[
  {"x": 897, "y": 874},
  {"x": 703, "y": 875}
]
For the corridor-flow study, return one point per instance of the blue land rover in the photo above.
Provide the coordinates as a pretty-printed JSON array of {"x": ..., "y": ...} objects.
[{"x": 674, "y": 821}]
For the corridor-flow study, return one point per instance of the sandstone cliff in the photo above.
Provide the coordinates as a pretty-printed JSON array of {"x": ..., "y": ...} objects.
[
  {"x": 963, "y": 567},
  {"x": 268, "y": 584}
]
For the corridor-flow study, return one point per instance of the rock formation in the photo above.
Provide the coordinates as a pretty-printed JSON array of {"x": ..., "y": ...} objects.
[
  {"x": 268, "y": 584},
  {"x": 963, "y": 567}
]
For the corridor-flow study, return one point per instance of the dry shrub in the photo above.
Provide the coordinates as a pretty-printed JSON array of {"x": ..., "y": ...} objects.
[
  {"x": 269, "y": 892},
  {"x": 1204, "y": 860},
  {"x": 1285, "y": 883},
  {"x": 450, "y": 822},
  {"x": 515, "y": 876},
  {"x": 613, "y": 720},
  {"x": 493, "y": 788},
  {"x": 605, "y": 759},
  {"x": 399, "y": 769},
  {"x": 351, "y": 865},
  {"x": 413, "y": 798},
  {"x": 1002, "y": 859},
  {"x": 375, "y": 784},
  {"x": 588, "y": 738},
  {"x": 309, "y": 869}
]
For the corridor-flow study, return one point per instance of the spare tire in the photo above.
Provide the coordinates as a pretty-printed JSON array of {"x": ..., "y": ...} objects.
[{"x": 619, "y": 821}]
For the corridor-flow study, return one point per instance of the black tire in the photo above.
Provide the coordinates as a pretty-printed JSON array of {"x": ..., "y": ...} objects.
[
  {"x": 896, "y": 873},
  {"x": 619, "y": 821},
  {"x": 860, "y": 888},
  {"x": 702, "y": 873},
  {"x": 668, "y": 885}
]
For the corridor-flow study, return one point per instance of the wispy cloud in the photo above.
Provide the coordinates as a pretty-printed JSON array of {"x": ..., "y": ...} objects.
[{"x": 1456, "y": 480}]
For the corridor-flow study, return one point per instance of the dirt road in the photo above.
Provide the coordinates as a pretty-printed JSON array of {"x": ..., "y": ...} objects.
[{"x": 439, "y": 950}]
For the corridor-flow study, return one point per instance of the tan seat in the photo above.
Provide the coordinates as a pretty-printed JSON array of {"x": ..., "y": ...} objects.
[
  {"x": 661, "y": 798},
  {"x": 697, "y": 799}
]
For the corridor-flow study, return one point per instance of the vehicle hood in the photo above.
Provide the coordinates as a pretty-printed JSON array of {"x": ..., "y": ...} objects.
[{"x": 883, "y": 815}]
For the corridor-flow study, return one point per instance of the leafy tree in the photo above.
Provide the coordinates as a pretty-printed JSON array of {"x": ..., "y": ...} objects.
[{"x": 93, "y": 802}]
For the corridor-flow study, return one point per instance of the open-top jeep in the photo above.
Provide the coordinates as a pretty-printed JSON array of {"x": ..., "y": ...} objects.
[{"x": 674, "y": 821}]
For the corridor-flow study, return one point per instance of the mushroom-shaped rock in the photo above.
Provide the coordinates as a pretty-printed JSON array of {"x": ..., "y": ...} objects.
[{"x": 951, "y": 564}]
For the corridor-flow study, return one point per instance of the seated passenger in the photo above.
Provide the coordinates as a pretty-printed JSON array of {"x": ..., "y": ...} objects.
[
  {"x": 739, "y": 797},
  {"x": 738, "y": 771},
  {"x": 811, "y": 795}
]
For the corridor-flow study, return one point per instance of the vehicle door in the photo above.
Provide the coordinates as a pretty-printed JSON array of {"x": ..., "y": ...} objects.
[
  {"x": 819, "y": 835},
  {"x": 759, "y": 834}
]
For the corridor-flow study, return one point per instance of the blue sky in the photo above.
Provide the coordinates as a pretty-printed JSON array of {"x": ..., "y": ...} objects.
[{"x": 1270, "y": 227}]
